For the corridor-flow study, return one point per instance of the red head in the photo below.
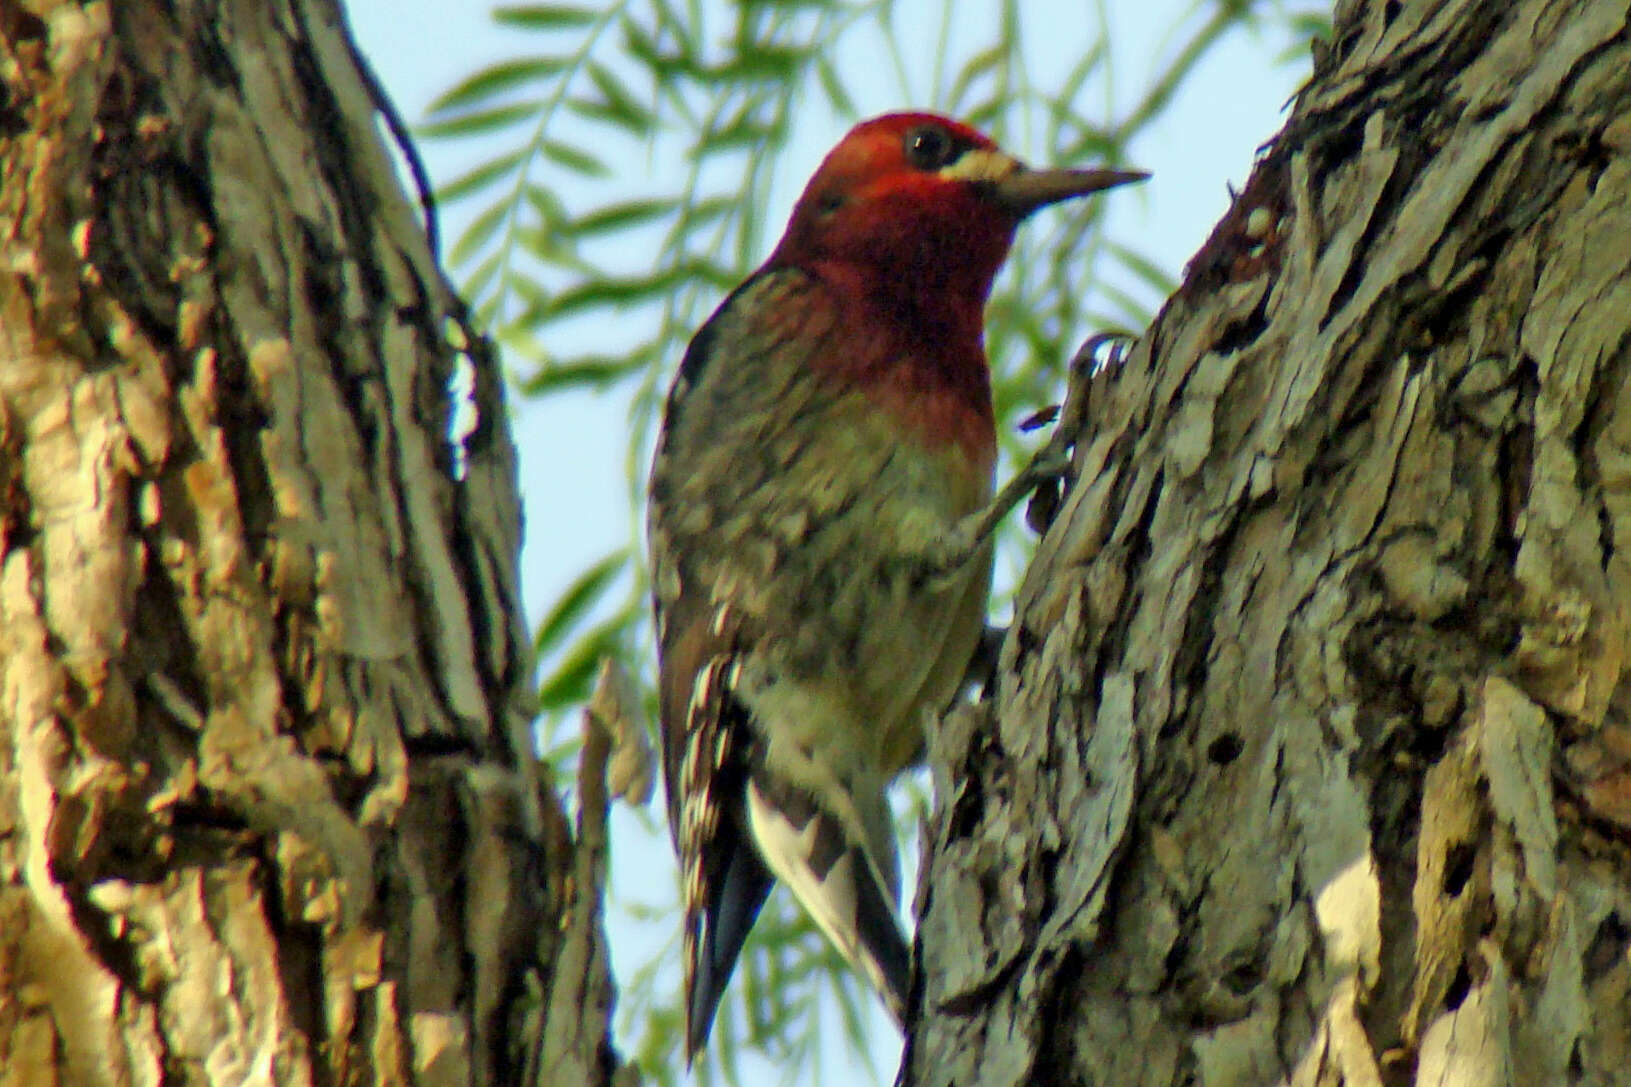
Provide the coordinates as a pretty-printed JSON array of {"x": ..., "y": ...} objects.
[
  {"x": 922, "y": 209},
  {"x": 907, "y": 221}
]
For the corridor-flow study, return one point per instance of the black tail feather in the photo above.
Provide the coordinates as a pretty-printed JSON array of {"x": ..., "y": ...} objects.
[{"x": 741, "y": 891}]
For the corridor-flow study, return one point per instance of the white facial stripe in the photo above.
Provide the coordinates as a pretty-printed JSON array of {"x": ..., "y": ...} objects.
[{"x": 978, "y": 164}]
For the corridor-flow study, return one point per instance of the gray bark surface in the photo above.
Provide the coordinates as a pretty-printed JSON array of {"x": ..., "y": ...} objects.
[
  {"x": 269, "y": 811},
  {"x": 1309, "y": 759}
]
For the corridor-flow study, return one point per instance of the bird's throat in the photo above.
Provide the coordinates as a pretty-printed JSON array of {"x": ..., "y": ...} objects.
[{"x": 920, "y": 354}]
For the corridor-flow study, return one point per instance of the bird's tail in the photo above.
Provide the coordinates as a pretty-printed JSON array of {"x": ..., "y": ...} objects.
[
  {"x": 714, "y": 936},
  {"x": 842, "y": 886}
]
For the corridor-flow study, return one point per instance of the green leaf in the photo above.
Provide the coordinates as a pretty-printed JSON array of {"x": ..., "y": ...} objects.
[
  {"x": 680, "y": 26},
  {"x": 1096, "y": 55},
  {"x": 984, "y": 63},
  {"x": 744, "y": 131},
  {"x": 786, "y": 5},
  {"x": 703, "y": 212},
  {"x": 480, "y": 177},
  {"x": 616, "y": 104},
  {"x": 578, "y": 598},
  {"x": 486, "y": 311},
  {"x": 983, "y": 116},
  {"x": 628, "y": 290},
  {"x": 545, "y": 204},
  {"x": 480, "y": 121},
  {"x": 551, "y": 243},
  {"x": 1135, "y": 313},
  {"x": 594, "y": 372},
  {"x": 621, "y": 216},
  {"x": 762, "y": 64},
  {"x": 502, "y": 78},
  {"x": 574, "y": 159},
  {"x": 833, "y": 87},
  {"x": 568, "y": 685},
  {"x": 543, "y": 16},
  {"x": 639, "y": 44},
  {"x": 1156, "y": 277},
  {"x": 1305, "y": 28},
  {"x": 478, "y": 280},
  {"x": 480, "y": 231},
  {"x": 1090, "y": 145},
  {"x": 534, "y": 299}
]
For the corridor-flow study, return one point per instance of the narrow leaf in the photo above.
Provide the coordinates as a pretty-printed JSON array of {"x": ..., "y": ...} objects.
[
  {"x": 543, "y": 16},
  {"x": 568, "y": 685},
  {"x": 616, "y": 291},
  {"x": 497, "y": 79},
  {"x": 744, "y": 131},
  {"x": 621, "y": 216},
  {"x": 983, "y": 63},
  {"x": 617, "y": 104},
  {"x": 1156, "y": 277},
  {"x": 578, "y": 598},
  {"x": 591, "y": 373},
  {"x": 574, "y": 159},
  {"x": 833, "y": 87},
  {"x": 479, "y": 121},
  {"x": 480, "y": 231},
  {"x": 759, "y": 64},
  {"x": 638, "y": 43},
  {"x": 479, "y": 177}
]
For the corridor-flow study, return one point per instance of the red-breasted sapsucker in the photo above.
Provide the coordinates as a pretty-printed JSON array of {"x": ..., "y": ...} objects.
[{"x": 820, "y": 507}]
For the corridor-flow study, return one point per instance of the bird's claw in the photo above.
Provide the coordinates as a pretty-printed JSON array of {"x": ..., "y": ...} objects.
[
  {"x": 1050, "y": 469},
  {"x": 1051, "y": 463}
]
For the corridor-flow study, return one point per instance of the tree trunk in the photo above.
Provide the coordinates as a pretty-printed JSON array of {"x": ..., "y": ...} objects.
[
  {"x": 1309, "y": 760},
  {"x": 268, "y": 805}
]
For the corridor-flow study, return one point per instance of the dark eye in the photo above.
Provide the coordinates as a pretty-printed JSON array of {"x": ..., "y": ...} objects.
[{"x": 930, "y": 148}]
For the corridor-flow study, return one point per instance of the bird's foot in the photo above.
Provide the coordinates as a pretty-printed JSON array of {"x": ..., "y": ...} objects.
[
  {"x": 947, "y": 555},
  {"x": 1085, "y": 365}
]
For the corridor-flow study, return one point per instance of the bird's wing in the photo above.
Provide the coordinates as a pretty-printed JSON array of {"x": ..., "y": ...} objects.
[
  {"x": 723, "y": 878},
  {"x": 727, "y": 451},
  {"x": 705, "y": 734}
]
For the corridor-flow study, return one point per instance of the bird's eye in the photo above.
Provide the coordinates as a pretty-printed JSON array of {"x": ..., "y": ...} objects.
[{"x": 930, "y": 148}]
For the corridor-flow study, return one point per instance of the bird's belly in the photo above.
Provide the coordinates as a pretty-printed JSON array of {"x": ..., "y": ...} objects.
[{"x": 869, "y": 639}]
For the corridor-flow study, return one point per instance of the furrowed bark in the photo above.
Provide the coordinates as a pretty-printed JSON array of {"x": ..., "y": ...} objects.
[
  {"x": 269, "y": 811},
  {"x": 1309, "y": 760}
]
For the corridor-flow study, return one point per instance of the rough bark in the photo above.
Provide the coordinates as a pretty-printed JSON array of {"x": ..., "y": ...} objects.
[
  {"x": 1310, "y": 759},
  {"x": 268, "y": 806}
]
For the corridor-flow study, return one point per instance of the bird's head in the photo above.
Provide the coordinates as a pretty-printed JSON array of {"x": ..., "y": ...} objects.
[{"x": 921, "y": 204}]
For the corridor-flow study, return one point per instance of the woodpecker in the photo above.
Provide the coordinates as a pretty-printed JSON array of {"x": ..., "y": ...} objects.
[{"x": 819, "y": 520}]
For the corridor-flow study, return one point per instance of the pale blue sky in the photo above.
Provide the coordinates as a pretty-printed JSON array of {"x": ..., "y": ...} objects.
[{"x": 573, "y": 448}]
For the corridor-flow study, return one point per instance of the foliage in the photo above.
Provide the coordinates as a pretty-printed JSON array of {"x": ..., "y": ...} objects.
[{"x": 633, "y": 149}]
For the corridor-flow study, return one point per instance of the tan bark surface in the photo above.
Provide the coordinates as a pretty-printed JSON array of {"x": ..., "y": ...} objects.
[
  {"x": 268, "y": 805},
  {"x": 1310, "y": 757}
]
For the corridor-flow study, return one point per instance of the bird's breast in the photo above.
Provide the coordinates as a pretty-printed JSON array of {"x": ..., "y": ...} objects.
[
  {"x": 823, "y": 561},
  {"x": 808, "y": 468}
]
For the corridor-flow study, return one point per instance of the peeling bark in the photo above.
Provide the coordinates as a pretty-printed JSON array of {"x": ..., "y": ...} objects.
[
  {"x": 1309, "y": 758},
  {"x": 268, "y": 806}
]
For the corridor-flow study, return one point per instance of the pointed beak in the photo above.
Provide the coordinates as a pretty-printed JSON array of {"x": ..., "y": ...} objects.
[{"x": 1025, "y": 190}]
